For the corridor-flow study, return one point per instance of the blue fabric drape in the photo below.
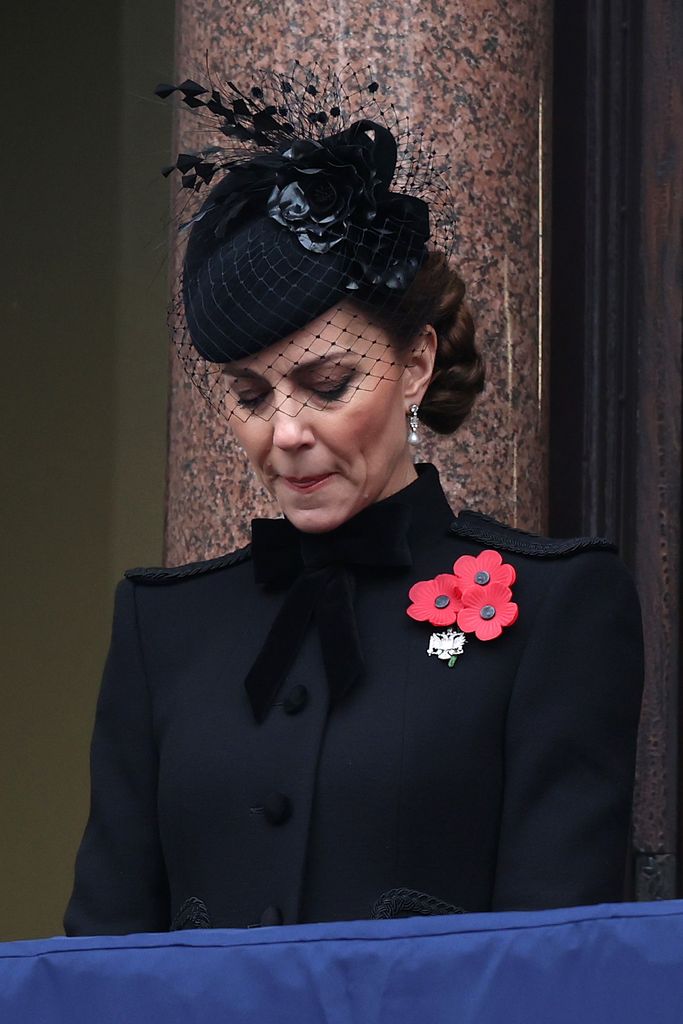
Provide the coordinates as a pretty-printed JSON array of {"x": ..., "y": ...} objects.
[{"x": 584, "y": 965}]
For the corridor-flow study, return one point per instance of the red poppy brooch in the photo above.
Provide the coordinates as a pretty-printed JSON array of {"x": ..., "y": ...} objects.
[{"x": 475, "y": 597}]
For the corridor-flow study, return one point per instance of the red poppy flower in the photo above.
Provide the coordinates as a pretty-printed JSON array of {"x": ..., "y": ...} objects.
[
  {"x": 487, "y": 567},
  {"x": 436, "y": 601},
  {"x": 486, "y": 609}
]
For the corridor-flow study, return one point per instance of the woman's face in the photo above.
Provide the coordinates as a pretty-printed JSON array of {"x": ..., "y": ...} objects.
[{"x": 322, "y": 415}]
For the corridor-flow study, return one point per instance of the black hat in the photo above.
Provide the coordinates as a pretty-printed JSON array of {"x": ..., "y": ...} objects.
[
  {"x": 308, "y": 206},
  {"x": 283, "y": 238}
]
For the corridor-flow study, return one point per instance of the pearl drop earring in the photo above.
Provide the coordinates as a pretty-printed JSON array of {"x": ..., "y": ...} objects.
[{"x": 413, "y": 424}]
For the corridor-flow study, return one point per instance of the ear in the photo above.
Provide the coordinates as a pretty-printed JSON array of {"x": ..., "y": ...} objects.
[{"x": 419, "y": 365}]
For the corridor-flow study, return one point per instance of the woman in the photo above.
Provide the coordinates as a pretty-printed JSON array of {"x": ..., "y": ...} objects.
[{"x": 377, "y": 707}]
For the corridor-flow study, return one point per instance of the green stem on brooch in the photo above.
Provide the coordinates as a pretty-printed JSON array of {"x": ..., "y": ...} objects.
[{"x": 452, "y": 660}]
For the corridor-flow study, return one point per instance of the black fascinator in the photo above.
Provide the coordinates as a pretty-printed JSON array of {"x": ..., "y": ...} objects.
[{"x": 310, "y": 208}]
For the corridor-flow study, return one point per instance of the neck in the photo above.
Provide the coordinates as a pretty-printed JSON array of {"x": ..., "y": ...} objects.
[{"x": 403, "y": 474}]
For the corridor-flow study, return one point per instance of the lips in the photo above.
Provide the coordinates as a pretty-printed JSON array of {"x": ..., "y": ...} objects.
[{"x": 307, "y": 483}]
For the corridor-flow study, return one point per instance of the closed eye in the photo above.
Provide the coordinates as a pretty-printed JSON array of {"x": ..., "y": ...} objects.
[
  {"x": 328, "y": 391},
  {"x": 249, "y": 401},
  {"x": 333, "y": 391}
]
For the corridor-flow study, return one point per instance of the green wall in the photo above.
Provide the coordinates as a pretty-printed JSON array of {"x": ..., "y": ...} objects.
[{"x": 85, "y": 362}]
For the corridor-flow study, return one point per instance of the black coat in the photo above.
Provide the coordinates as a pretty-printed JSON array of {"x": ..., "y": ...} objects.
[{"x": 503, "y": 782}]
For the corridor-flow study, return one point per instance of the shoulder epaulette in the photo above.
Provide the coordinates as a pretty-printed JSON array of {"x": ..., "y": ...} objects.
[
  {"x": 182, "y": 572},
  {"x": 486, "y": 530}
]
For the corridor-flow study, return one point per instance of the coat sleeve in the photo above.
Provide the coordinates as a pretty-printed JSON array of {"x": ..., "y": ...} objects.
[
  {"x": 120, "y": 882},
  {"x": 570, "y": 742}
]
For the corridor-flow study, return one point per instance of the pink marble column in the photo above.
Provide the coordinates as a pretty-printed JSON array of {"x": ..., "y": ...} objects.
[{"x": 473, "y": 72}]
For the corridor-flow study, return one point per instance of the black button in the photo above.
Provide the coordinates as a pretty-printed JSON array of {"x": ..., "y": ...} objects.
[
  {"x": 277, "y": 808},
  {"x": 271, "y": 916},
  {"x": 296, "y": 700}
]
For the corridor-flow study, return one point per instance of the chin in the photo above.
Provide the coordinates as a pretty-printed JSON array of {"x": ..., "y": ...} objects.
[
  {"x": 314, "y": 520},
  {"x": 316, "y": 512}
]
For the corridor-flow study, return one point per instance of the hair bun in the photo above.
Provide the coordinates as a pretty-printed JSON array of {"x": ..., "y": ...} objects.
[
  {"x": 459, "y": 369},
  {"x": 437, "y": 297}
]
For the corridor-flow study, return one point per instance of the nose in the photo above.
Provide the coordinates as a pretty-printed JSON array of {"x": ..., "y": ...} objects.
[{"x": 291, "y": 426}]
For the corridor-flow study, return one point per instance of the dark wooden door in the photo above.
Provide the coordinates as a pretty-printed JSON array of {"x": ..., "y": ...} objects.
[{"x": 615, "y": 351}]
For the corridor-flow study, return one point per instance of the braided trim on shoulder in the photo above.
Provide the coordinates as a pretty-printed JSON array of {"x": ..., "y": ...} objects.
[
  {"x": 192, "y": 914},
  {"x": 410, "y": 902},
  {"x": 171, "y": 574},
  {"x": 487, "y": 530}
]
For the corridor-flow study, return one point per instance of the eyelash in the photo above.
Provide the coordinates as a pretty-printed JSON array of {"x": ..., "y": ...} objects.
[
  {"x": 330, "y": 394},
  {"x": 250, "y": 403},
  {"x": 335, "y": 392}
]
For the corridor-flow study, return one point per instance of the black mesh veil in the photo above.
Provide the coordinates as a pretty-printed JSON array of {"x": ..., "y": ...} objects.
[{"x": 311, "y": 216}]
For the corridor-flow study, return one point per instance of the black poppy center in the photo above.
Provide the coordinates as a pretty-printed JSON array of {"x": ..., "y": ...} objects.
[
  {"x": 322, "y": 193},
  {"x": 442, "y": 601},
  {"x": 482, "y": 577},
  {"x": 488, "y": 611}
]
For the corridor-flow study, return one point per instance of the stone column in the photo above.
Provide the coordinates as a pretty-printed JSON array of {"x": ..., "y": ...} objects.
[{"x": 473, "y": 72}]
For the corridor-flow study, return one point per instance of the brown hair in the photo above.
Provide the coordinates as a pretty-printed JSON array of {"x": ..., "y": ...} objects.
[{"x": 437, "y": 297}]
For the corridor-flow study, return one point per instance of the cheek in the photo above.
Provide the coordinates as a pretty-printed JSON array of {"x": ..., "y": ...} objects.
[
  {"x": 253, "y": 436},
  {"x": 373, "y": 426}
]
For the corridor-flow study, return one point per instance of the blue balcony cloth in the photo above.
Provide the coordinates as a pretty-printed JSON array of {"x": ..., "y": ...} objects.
[{"x": 584, "y": 965}]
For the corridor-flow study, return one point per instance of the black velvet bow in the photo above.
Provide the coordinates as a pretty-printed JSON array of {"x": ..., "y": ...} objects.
[{"x": 318, "y": 566}]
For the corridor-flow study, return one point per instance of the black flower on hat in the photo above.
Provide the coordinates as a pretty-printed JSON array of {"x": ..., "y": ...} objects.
[{"x": 324, "y": 186}]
